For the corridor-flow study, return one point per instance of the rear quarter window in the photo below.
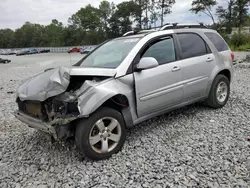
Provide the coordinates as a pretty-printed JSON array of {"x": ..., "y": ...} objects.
[{"x": 218, "y": 42}]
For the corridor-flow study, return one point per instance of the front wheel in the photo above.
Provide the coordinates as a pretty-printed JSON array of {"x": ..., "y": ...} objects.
[
  {"x": 219, "y": 92},
  {"x": 101, "y": 135}
]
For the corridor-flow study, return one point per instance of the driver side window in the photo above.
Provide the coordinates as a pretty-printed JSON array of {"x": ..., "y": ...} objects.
[{"x": 162, "y": 50}]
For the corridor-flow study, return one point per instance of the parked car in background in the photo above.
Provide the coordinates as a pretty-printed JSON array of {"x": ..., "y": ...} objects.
[
  {"x": 75, "y": 49},
  {"x": 2, "y": 52},
  {"x": 14, "y": 51},
  {"x": 22, "y": 52},
  {"x": 82, "y": 49},
  {"x": 7, "y": 52},
  {"x": 86, "y": 50},
  {"x": 44, "y": 51},
  {"x": 33, "y": 51},
  {"x": 10, "y": 52},
  {"x": 4, "y": 60}
]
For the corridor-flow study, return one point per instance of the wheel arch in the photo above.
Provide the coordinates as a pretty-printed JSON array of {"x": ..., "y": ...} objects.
[
  {"x": 120, "y": 103},
  {"x": 117, "y": 101},
  {"x": 225, "y": 72}
]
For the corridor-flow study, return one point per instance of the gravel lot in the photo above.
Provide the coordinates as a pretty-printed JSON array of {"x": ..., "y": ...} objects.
[{"x": 191, "y": 147}]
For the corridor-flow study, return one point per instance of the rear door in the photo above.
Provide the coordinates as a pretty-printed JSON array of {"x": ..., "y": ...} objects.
[
  {"x": 159, "y": 88},
  {"x": 197, "y": 65}
]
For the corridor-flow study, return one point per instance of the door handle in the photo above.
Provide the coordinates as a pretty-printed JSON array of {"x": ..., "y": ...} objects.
[
  {"x": 176, "y": 68},
  {"x": 209, "y": 59}
]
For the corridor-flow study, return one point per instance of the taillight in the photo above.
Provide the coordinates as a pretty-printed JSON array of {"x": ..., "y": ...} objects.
[{"x": 232, "y": 55}]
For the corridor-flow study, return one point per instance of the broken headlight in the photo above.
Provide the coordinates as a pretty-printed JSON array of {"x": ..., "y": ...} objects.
[{"x": 65, "y": 107}]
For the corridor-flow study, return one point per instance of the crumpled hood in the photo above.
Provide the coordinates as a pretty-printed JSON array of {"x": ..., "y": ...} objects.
[
  {"x": 55, "y": 81},
  {"x": 47, "y": 84}
]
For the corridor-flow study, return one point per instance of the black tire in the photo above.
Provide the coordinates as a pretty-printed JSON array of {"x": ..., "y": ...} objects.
[
  {"x": 84, "y": 128},
  {"x": 212, "y": 99}
]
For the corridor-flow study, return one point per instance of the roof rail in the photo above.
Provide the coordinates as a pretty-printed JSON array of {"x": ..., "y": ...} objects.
[
  {"x": 128, "y": 33},
  {"x": 180, "y": 26},
  {"x": 138, "y": 32},
  {"x": 165, "y": 27}
]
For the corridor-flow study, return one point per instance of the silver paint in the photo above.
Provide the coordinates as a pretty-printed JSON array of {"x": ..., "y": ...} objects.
[{"x": 44, "y": 85}]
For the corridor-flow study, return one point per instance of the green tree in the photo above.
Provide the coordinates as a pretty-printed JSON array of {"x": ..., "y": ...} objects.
[
  {"x": 241, "y": 9},
  {"x": 154, "y": 14},
  {"x": 87, "y": 18},
  {"x": 73, "y": 36},
  {"x": 121, "y": 21},
  {"x": 204, "y": 6},
  {"x": 138, "y": 8},
  {"x": 7, "y": 38},
  {"x": 165, "y": 8},
  {"x": 29, "y": 35},
  {"x": 227, "y": 15},
  {"x": 105, "y": 10},
  {"x": 142, "y": 12},
  {"x": 53, "y": 34},
  {"x": 87, "y": 22},
  {"x": 89, "y": 25}
]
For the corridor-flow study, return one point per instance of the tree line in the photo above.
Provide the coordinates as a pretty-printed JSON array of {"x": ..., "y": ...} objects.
[
  {"x": 234, "y": 13},
  {"x": 89, "y": 25},
  {"x": 93, "y": 25}
]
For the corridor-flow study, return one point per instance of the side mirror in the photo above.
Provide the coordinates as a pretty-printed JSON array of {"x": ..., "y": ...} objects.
[{"x": 147, "y": 63}]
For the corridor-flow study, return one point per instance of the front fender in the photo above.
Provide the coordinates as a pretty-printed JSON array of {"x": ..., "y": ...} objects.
[{"x": 93, "y": 94}]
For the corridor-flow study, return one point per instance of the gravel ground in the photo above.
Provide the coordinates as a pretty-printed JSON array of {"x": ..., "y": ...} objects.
[{"x": 191, "y": 147}]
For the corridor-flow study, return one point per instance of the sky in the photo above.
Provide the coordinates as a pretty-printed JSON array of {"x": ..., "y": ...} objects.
[{"x": 14, "y": 13}]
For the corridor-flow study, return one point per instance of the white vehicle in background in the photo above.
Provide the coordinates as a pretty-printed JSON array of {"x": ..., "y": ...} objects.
[{"x": 87, "y": 49}]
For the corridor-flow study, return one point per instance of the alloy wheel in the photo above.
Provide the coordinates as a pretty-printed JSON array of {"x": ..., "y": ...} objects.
[{"x": 105, "y": 135}]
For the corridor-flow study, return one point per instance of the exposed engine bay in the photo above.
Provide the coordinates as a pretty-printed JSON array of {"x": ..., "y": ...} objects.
[{"x": 63, "y": 106}]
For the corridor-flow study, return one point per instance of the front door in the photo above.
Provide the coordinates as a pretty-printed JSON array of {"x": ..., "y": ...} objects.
[{"x": 159, "y": 88}]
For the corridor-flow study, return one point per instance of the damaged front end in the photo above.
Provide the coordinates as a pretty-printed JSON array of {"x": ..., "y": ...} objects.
[
  {"x": 53, "y": 115},
  {"x": 49, "y": 101}
]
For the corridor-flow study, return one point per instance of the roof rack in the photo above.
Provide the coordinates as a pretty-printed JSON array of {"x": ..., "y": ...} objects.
[
  {"x": 182, "y": 26},
  {"x": 166, "y": 27},
  {"x": 138, "y": 32},
  {"x": 129, "y": 33}
]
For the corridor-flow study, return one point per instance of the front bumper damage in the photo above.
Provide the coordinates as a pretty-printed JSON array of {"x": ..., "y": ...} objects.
[
  {"x": 53, "y": 116},
  {"x": 35, "y": 123},
  {"x": 57, "y": 128},
  {"x": 50, "y": 101}
]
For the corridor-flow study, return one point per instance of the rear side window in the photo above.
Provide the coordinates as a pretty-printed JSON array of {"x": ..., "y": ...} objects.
[
  {"x": 192, "y": 45},
  {"x": 218, "y": 42},
  {"x": 162, "y": 50}
]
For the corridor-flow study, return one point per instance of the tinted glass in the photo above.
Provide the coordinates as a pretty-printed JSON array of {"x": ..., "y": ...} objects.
[
  {"x": 191, "y": 45},
  {"x": 163, "y": 51},
  {"x": 218, "y": 42},
  {"x": 110, "y": 54}
]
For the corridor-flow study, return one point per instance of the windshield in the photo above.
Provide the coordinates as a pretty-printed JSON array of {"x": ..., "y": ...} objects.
[{"x": 110, "y": 54}]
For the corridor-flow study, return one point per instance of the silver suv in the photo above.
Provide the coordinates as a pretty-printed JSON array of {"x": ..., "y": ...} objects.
[{"x": 125, "y": 81}]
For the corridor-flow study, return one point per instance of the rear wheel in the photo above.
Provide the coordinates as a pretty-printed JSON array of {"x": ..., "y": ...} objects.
[
  {"x": 219, "y": 92},
  {"x": 101, "y": 135}
]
